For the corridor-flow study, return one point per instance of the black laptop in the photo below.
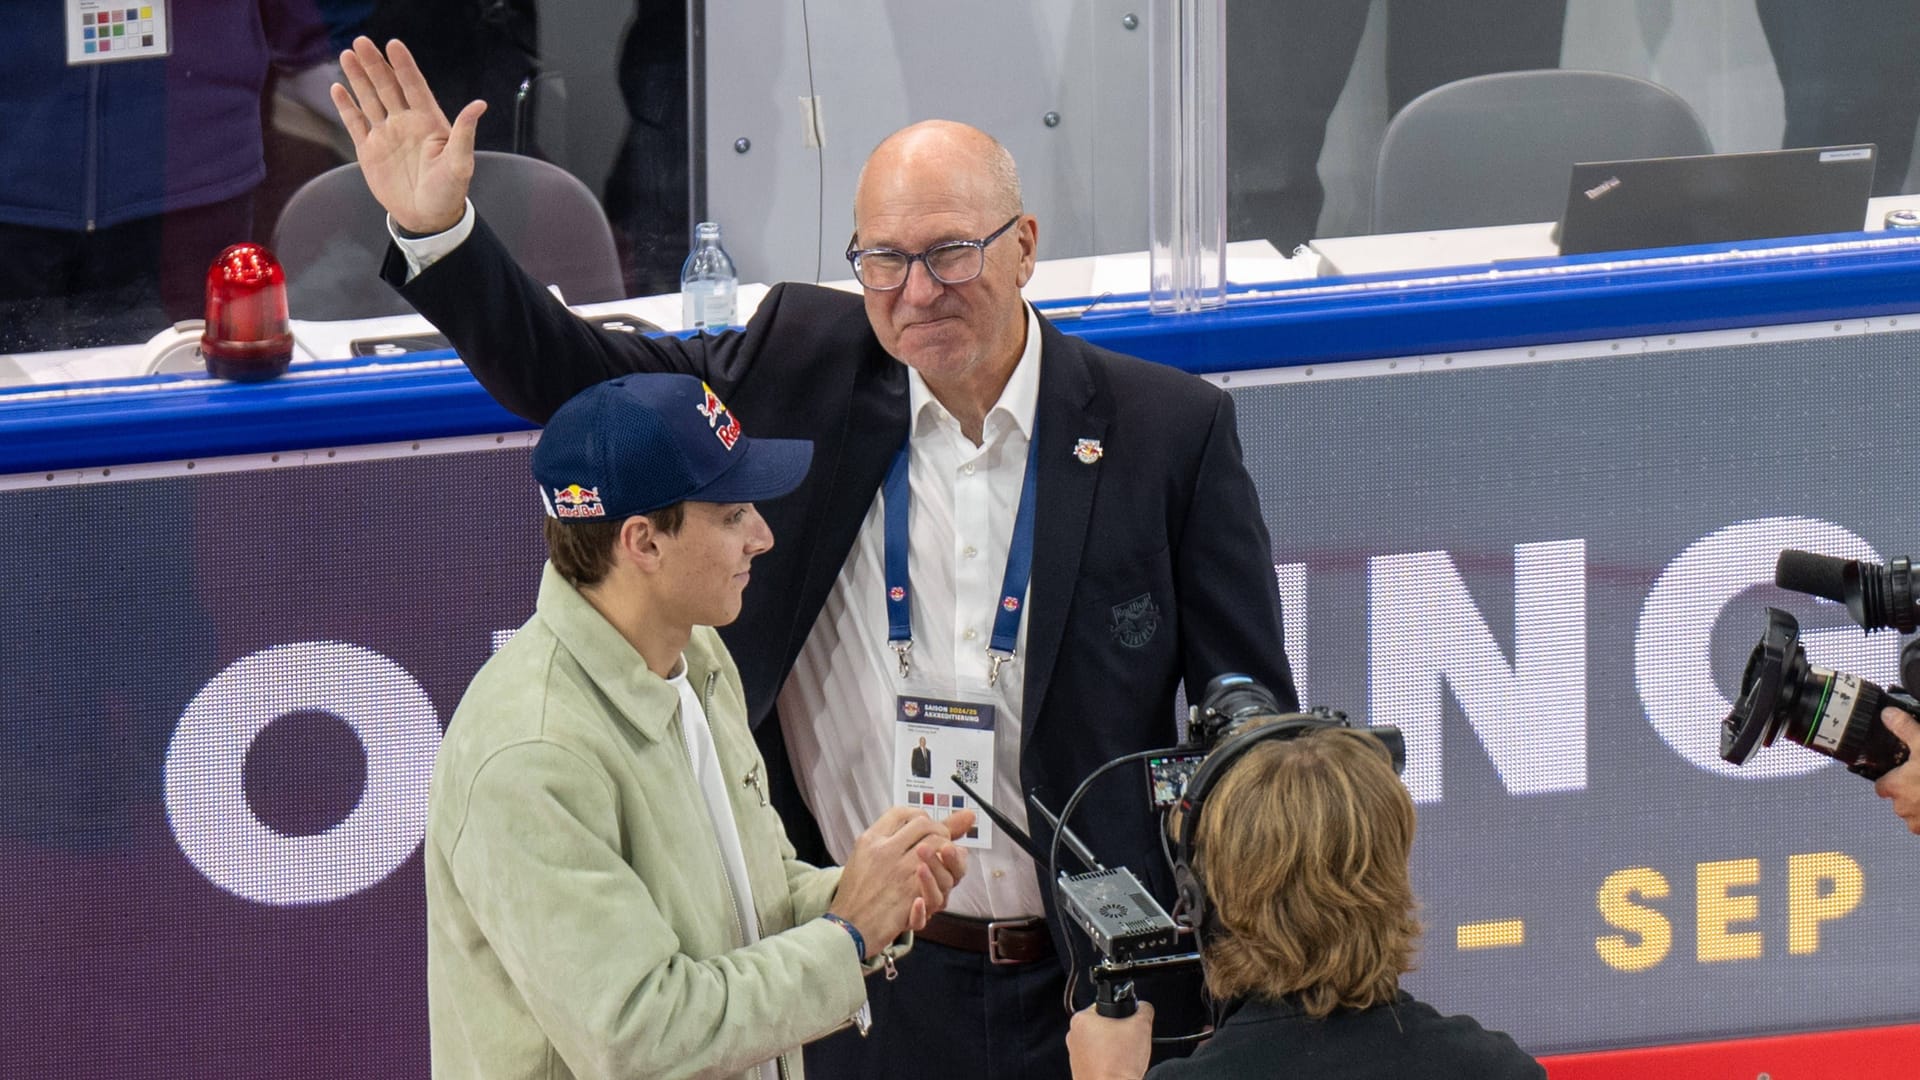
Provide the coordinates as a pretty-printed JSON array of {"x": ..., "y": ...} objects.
[{"x": 1714, "y": 198}]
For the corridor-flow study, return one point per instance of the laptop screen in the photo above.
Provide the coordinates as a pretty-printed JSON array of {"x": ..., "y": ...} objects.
[{"x": 1713, "y": 198}]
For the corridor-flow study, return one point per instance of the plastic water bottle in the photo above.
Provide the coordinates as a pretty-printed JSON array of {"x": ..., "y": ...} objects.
[{"x": 707, "y": 282}]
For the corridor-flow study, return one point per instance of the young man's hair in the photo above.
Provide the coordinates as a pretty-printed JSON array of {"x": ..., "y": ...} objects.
[
  {"x": 1303, "y": 850},
  {"x": 582, "y": 551}
]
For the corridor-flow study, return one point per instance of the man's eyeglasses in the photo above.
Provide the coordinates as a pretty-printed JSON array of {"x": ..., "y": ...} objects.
[{"x": 955, "y": 262}]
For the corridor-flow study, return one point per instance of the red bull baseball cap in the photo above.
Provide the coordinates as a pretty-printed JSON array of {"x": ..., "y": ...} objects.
[{"x": 640, "y": 442}]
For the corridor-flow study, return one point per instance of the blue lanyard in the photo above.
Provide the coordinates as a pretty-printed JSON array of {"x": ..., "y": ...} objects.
[{"x": 1013, "y": 588}]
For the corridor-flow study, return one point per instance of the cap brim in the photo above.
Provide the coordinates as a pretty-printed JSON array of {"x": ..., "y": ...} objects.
[{"x": 763, "y": 469}]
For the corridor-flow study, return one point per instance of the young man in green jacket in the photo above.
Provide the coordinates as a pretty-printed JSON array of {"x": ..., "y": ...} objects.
[{"x": 609, "y": 892}]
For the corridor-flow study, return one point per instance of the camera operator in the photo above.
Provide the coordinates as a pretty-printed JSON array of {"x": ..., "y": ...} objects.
[
  {"x": 1902, "y": 785},
  {"x": 1303, "y": 850}
]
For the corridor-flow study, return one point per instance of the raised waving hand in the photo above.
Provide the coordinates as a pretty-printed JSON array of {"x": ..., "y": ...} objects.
[{"x": 417, "y": 164}]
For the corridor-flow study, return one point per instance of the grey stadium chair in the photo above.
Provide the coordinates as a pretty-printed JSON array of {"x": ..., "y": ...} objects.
[
  {"x": 332, "y": 236},
  {"x": 1497, "y": 149}
]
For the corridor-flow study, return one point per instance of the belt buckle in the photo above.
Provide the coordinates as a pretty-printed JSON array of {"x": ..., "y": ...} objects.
[{"x": 994, "y": 927}]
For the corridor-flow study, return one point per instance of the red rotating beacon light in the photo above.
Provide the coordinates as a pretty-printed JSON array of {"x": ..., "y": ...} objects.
[{"x": 247, "y": 336}]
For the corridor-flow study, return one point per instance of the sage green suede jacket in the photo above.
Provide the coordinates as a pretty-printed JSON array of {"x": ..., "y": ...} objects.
[{"x": 579, "y": 920}]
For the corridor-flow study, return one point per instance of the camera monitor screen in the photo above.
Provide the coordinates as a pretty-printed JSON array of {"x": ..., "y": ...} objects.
[
  {"x": 1715, "y": 198},
  {"x": 1167, "y": 778}
]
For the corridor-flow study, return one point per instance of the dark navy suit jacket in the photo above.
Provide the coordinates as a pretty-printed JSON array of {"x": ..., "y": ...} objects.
[{"x": 1151, "y": 566}]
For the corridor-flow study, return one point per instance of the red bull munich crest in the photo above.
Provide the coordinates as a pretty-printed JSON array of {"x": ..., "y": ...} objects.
[{"x": 719, "y": 418}]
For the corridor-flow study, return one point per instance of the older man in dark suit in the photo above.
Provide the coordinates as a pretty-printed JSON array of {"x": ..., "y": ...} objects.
[{"x": 1003, "y": 523}]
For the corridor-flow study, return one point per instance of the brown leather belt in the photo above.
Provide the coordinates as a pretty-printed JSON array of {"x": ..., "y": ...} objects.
[{"x": 1004, "y": 941}]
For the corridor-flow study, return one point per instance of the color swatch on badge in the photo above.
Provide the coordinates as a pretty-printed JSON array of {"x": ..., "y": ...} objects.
[{"x": 113, "y": 33}]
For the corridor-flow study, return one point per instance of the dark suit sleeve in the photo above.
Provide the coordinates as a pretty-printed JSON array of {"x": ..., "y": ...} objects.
[
  {"x": 525, "y": 347},
  {"x": 1229, "y": 600}
]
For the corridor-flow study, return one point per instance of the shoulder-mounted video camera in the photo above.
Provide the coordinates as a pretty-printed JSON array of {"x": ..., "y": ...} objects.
[
  {"x": 1829, "y": 712},
  {"x": 1236, "y": 715},
  {"x": 1128, "y": 928}
]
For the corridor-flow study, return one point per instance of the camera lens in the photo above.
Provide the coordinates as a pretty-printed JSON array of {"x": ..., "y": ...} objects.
[
  {"x": 1828, "y": 712},
  {"x": 1230, "y": 701}
]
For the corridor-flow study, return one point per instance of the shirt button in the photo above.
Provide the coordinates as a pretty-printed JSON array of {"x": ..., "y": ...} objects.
[
  {"x": 967, "y": 468},
  {"x": 999, "y": 873},
  {"x": 970, "y": 551},
  {"x": 970, "y": 635}
]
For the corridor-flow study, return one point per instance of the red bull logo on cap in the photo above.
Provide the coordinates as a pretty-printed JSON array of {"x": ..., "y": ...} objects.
[
  {"x": 574, "y": 501},
  {"x": 719, "y": 418}
]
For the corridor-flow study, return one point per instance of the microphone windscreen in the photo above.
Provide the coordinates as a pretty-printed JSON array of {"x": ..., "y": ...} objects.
[{"x": 1815, "y": 575}]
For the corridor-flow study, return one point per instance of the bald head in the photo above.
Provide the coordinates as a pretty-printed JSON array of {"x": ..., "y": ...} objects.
[
  {"x": 942, "y": 185},
  {"x": 944, "y": 161}
]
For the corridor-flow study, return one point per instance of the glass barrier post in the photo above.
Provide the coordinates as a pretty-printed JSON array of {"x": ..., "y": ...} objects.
[{"x": 1186, "y": 149}]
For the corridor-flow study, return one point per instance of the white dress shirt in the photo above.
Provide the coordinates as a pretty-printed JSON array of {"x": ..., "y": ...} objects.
[
  {"x": 423, "y": 251},
  {"x": 837, "y": 709}
]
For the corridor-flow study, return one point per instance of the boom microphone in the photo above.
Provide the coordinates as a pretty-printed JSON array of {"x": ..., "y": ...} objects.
[{"x": 1815, "y": 575}]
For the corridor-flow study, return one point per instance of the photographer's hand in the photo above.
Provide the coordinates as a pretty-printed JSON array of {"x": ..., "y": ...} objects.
[
  {"x": 1902, "y": 785},
  {"x": 1103, "y": 1048}
]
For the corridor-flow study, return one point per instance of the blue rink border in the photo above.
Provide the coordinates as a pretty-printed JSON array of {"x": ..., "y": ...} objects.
[
  {"x": 185, "y": 419},
  {"x": 1589, "y": 298}
]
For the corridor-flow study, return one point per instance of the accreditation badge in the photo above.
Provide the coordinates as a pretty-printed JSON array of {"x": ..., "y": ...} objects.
[
  {"x": 935, "y": 740},
  {"x": 99, "y": 33}
]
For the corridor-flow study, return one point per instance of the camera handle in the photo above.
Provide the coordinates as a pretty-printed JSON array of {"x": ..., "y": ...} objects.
[
  {"x": 1909, "y": 676},
  {"x": 1902, "y": 697},
  {"x": 1899, "y": 698},
  {"x": 1113, "y": 994}
]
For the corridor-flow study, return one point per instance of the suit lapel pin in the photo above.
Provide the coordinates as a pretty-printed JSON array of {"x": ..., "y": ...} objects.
[{"x": 1088, "y": 451}]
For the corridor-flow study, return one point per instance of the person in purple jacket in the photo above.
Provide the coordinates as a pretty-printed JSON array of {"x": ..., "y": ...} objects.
[{"x": 120, "y": 180}]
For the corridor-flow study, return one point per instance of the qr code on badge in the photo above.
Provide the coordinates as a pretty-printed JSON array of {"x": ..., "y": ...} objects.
[{"x": 967, "y": 770}]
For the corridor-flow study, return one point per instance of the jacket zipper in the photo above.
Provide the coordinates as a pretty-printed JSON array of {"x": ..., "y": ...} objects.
[
  {"x": 753, "y": 780},
  {"x": 92, "y": 203},
  {"x": 733, "y": 903}
]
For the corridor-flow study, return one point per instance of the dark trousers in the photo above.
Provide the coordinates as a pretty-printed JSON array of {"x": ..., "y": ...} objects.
[
  {"x": 1287, "y": 63},
  {"x": 61, "y": 289},
  {"x": 951, "y": 1015},
  {"x": 647, "y": 188},
  {"x": 1849, "y": 73}
]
